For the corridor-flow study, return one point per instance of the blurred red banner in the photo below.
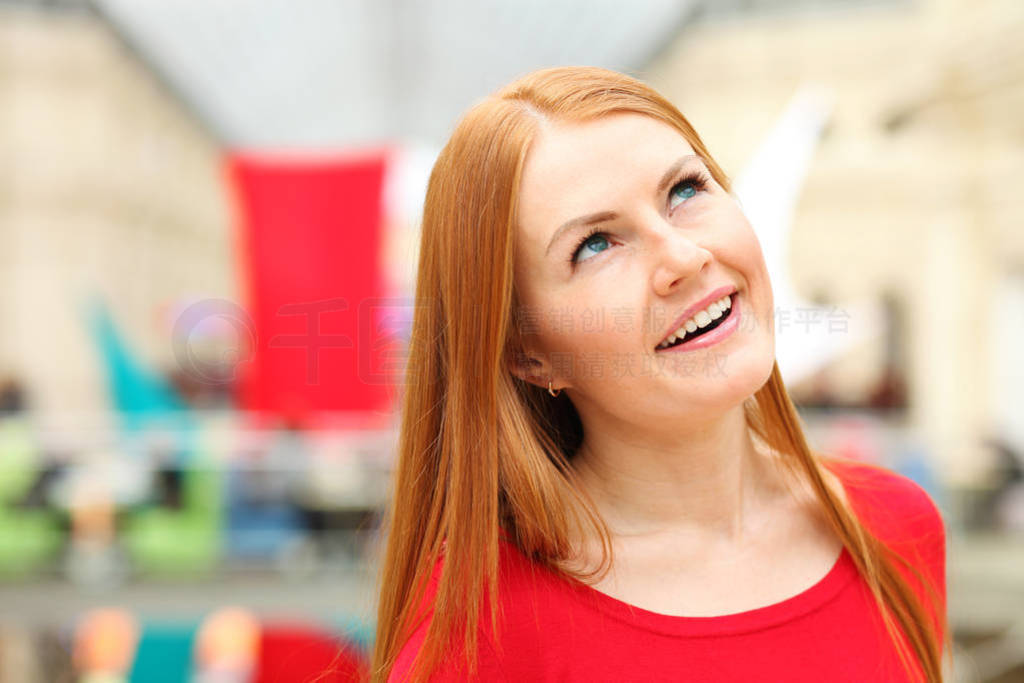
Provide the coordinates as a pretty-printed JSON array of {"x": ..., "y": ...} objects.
[{"x": 309, "y": 245}]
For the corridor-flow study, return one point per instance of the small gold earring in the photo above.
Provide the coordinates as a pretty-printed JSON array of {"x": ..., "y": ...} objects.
[{"x": 553, "y": 393}]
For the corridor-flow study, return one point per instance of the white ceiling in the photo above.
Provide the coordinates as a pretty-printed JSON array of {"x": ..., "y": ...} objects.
[{"x": 326, "y": 73}]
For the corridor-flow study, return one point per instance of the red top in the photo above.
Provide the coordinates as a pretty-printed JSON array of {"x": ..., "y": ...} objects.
[{"x": 556, "y": 630}]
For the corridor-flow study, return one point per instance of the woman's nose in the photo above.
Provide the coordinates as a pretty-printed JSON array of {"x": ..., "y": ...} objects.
[{"x": 678, "y": 258}]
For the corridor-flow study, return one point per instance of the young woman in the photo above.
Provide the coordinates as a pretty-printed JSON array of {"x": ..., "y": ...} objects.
[{"x": 600, "y": 473}]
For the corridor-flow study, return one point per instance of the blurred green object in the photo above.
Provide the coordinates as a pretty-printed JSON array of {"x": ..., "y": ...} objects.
[
  {"x": 19, "y": 461},
  {"x": 30, "y": 539},
  {"x": 186, "y": 539}
]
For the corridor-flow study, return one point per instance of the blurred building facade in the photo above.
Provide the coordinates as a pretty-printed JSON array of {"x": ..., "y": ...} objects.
[{"x": 108, "y": 186}]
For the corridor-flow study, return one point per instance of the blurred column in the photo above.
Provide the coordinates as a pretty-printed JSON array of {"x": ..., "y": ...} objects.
[{"x": 952, "y": 398}]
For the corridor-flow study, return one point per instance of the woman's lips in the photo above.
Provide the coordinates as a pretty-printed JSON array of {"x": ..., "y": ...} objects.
[{"x": 720, "y": 333}]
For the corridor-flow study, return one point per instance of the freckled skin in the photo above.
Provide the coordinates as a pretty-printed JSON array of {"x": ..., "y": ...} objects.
[{"x": 664, "y": 253}]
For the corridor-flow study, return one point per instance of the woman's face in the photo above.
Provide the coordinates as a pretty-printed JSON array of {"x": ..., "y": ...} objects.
[{"x": 669, "y": 237}]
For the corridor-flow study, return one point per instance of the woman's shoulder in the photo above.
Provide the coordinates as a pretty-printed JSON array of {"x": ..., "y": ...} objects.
[
  {"x": 527, "y": 593},
  {"x": 893, "y": 504},
  {"x": 899, "y": 512},
  {"x": 453, "y": 665}
]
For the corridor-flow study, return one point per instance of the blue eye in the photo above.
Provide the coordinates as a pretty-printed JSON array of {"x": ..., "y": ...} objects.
[
  {"x": 588, "y": 239},
  {"x": 685, "y": 189}
]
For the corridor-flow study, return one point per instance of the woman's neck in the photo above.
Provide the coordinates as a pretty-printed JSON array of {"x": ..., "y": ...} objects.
[{"x": 706, "y": 484}]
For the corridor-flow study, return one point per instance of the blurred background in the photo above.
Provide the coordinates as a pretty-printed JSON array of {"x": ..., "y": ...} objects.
[{"x": 208, "y": 227}]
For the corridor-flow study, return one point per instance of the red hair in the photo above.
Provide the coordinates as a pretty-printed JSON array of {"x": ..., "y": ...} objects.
[{"x": 481, "y": 451}]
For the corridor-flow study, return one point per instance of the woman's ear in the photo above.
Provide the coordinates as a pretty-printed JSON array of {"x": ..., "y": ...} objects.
[{"x": 527, "y": 368}]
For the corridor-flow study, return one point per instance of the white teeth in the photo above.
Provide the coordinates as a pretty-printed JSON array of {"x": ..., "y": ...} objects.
[{"x": 714, "y": 311}]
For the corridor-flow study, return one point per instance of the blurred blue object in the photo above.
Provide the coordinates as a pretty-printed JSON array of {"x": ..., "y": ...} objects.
[
  {"x": 258, "y": 529},
  {"x": 145, "y": 402},
  {"x": 914, "y": 463},
  {"x": 136, "y": 391},
  {"x": 359, "y": 631},
  {"x": 164, "y": 654}
]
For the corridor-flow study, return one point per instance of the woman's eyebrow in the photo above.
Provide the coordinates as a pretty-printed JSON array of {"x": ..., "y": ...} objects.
[
  {"x": 670, "y": 174},
  {"x": 604, "y": 216},
  {"x": 590, "y": 219}
]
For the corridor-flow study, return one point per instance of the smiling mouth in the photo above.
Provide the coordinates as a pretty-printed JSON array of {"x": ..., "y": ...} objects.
[{"x": 700, "y": 331}]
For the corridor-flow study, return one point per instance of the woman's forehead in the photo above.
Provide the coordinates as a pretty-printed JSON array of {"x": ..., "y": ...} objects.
[
  {"x": 577, "y": 168},
  {"x": 621, "y": 135}
]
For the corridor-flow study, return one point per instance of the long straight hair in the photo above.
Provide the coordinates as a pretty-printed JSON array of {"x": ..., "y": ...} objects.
[{"x": 481, "y": 452}]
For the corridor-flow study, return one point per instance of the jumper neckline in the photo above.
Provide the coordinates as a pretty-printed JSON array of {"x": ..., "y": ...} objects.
[
  {"x": 758, "y": 618},
  {"x": 807, "y": 601},
  {"x": 842, "y": 572}
]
